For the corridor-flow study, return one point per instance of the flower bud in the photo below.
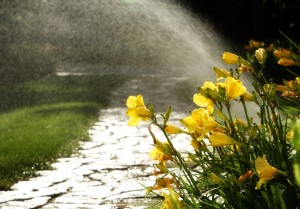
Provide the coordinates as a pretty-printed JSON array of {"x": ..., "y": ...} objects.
[
  {"x": 247, "y": 96},
  {"x": 170, "y": 129},
  {"x": 230, "y": 58},
  {"x": 217, "y": 179},
  {"x": 261, "y": 55},
  {"x": 286, "y": 62},
  {"x": 282, "y": 53}
]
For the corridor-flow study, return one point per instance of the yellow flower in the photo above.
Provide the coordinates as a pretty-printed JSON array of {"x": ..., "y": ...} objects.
[
  {"x": 137, "y": 110},
  {"x": 218, "y": 139},
  {"x": 265, "y": 171},
  {"x": 286, "y": 62},
  {"x": 199, "y": 123},
  {"x": 234, "y": 88},
  {"x": 230, "y": 58},
  {"x": 170, "y": 129},
  {"x": 161, "y": 152}
]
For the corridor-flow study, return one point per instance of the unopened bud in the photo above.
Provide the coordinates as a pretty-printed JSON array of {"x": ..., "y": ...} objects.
[{"x": 261, "y": 55}]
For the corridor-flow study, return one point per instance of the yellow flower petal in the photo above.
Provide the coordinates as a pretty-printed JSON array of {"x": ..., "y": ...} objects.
[
  {"x": 202, "y": 101},
  {"x": 234, "y": 88},
  {"x": 143, "y": 112},
  {"x": 218, "y": 139},
  {"x": 140, "y": 101},
  {"x": 209, "y": 85},
  {"x": 134, "y": 121},
  {"x": 131, "y": 102}
]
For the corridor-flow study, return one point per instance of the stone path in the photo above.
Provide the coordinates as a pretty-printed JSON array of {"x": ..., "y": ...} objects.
[{"x": 108, "y": 172}]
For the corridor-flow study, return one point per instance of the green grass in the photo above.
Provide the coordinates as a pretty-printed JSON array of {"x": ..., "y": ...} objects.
[
  {"x": 55, "y": 89},
  {"x": 45, "y": 119}
]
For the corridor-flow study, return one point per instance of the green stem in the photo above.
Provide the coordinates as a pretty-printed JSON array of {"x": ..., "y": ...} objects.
[
  {"x": 181, "y": 163},
  {"x": 246, "y": 112}
]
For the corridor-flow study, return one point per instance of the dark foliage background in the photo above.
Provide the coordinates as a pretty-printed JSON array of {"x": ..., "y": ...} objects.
[{"x": 242, "y": 20}]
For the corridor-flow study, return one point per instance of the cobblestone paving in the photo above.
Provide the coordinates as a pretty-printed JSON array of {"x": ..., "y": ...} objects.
[{"x": 108, "y": 172}]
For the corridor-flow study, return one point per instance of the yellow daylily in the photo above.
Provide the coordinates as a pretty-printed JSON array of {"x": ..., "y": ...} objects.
[
  {"x": 218, "y": 139},
  {"x": 234, "y": 88},
  {"x": 265, "y": 171},
  {"x": 199, "y": 123},
  {"x": 137, "y": 110},
  {"x": 161, "y": 152},
  {"x": 230, "y": 58}
]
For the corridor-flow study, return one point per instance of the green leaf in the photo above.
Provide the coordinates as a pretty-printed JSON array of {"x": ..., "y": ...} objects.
[
  {"x": 296, "y": 141},
  {"x": 167, "y": 115},
  {"x": 219, "y": 72},
  {"x": 213, "y": 94},
  {"x": 220, "y": 114}
]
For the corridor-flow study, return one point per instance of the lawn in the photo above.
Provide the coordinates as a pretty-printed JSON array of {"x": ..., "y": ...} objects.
[{"x": 45, "y": 119}]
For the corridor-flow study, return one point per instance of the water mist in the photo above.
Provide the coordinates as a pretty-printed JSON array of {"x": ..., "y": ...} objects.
[{"x": 158, "y": 40}]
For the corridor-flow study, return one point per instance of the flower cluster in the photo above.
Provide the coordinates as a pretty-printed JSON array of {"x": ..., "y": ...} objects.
[{"x": 238, "y": 159}]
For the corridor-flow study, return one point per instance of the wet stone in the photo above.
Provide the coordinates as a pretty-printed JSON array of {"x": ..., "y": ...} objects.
[
  {"x": 110, "y": 171},
  {"x": 32, "y": 203}
]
